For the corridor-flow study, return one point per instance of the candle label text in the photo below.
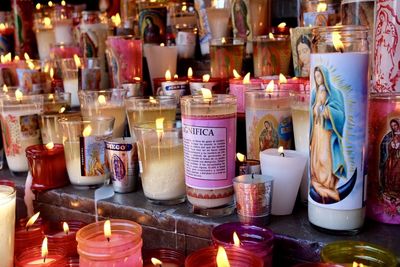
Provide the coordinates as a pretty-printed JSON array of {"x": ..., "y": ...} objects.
[
  {"x": 338, "y": 108},
  {"x": 92, "y": 155},
  {"x": 268, "y": 129},
  {"x": 209, "y": 151},
  {"x": 174, "y": 88}
]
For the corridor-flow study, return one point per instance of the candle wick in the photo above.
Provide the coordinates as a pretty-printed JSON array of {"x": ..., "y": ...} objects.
[
  {"x": 67, "y": 232},
  {"x": 44, "y": 259},
  {"x": 108, "y": 239},
  {"x": 269, "y": 96},
  {"x": 282, "y": 154},
  {"x": 27, "y": 228},
  {"x": 252, "y": 176},
  {"x": 341, "y": 50}
]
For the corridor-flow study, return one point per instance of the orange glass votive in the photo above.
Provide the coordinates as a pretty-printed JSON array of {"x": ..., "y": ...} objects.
[
  {"x": 123, "y": 249},
  {"x": 238, "y": 257},
  {"x": 47, "y": 166},
  {"x": 32, "y": 257}
]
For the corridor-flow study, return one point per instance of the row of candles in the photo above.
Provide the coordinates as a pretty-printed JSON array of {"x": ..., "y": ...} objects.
[{"x": 118, "y": 242}]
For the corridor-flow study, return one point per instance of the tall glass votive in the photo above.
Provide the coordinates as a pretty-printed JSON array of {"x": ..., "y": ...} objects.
[
  {"x": 268, "y": 121},
  {"x": 70, "y": 79},
  {"x": 63, "y": 26},
  {"x": 161, "y": 154},
  {"x": 271, "y": 55},
  {"x": 300, "y": 106},
  {"x": 122, "y": 249},
  {"x": 7, "y": 213},
  {"x": 105, "y": 103},
  {"x": 209, "y": 137},
  {"x": 218, "y": 18},
  {"x": 85, "y": 149},
  {"x": 125, "y": 59},
  {"x": 57, "y": 102},
  {"x": 20, "y": 124},
  {"x": 50, "y": 126},
  {"x": 226, "y": 55},
  {"x": 350, "y": 252},
  {"x": 142, "y": 109},
  {"x": 43, "y": 27}
]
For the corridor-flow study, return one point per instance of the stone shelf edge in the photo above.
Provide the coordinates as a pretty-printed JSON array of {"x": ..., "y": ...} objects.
[{"x": 176, "y": 227}]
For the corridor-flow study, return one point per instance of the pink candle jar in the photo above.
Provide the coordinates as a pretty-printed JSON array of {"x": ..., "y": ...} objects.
[
  {"x": 47, "y": 165},
  {"x": 237, "y": 257},
  {"x": 238, "y": 87},
  {"x": 61, "y": 236},
  {"x": 122, "y": 249},
  {"x": 32, "y": 257},
  {"x": 254, "y": 239}
]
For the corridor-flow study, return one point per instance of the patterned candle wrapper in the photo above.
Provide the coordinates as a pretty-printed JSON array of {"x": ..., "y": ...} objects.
[
  {"x": 153, "y": 24},
  {"x": 90, "y": 79}
]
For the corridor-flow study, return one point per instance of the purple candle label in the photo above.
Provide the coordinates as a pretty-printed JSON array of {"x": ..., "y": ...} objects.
[
  {"x": 209, "y": 150},
  {"x": 338, "y": 109},
  {"x": 268, "y": 129},
  {"x": 92, "y": 155}
]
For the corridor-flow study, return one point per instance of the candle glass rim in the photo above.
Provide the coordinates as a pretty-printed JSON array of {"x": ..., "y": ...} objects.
[
  {"x": 36, "y": 251},
  {"x": 169, "y": 126},
  {"x": 103, "y": 91},
  {"x": 338, "y": 28},
  {"x": 334, "y": 251},
  {"x": 164, "y": 254},
  {"x": 385, "y": 96},
  {"x": 267, "y": 38},
  {"x": 40, "y": 150},
  {"x": 7, "y": 195},
  {"x": 267, "y": 179},
  {"x": 228, "y": 41},
  {"x": 55, "y": 227},
  {"x": 67, "y": 113},
  {"x": 269, "y": 94},
  {"x": 10, "y": 101},
  {"x": 81, "y": 120},
  {"x": 216, "y": 99},
  {"x": 140, "y": 101},
  {"x": 129, "y": 37}
]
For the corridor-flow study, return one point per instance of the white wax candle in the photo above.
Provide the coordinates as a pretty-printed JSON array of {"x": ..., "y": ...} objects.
[
  {"x": 44, "y": 38},
  {"x": 7, "y": 222},
  {"x": 40, "y": 262},
  {"x": 63, "y": 31},
  {"x": 287, "y": 172},
  {"x": 71, "y": 86}
]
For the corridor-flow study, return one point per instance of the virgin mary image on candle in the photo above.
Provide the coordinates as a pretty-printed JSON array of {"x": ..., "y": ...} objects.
[{"x": 328, "y": 117}]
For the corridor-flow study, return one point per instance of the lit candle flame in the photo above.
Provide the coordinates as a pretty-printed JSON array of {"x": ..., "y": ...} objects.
[
  {"x": 282, "y": 78},
  {"x": 62, "y": 109},
  {"x": 236, "y": 240},
  {"x": 66, "y": 228},
  {"x": 116, "y": 20},
  {"x": 280, "y": 151},
  {"x": 16, "y": 58},
  {"x": 190, "y": 73},
  {"x": 168, "y": 75},
  {"x": 137, "y": 79},
  {"x": 50, "y": 97},
  {"x": 236, "y": 75},
  {"x": 282, "y": 25},
  {"x": 206, "y": 78},
  {"x": 240, "y": 157},
  {"x": 46, "y": 22},
  {"x": 160, "y": 125},
  {"x": 18, "y": 95},
  {"x": 87, "y": 131},
  {"x": 46, "y": 67},
  {"x": 176, "y": 76},
  {"x": 45, "y": 250},
  {"x": 321, "y": 7},
  {"x": 223, "y": 40},
  {"x": 8, "y": 57},
  {"x": 156, "y": 261},
  {"x": 50, "y": 4},
  {"x": 356, "y": 264},
  {"x": 222, "y": 258},
  {"x": 162, "y": 44},
  {"x": 77, "y": 61},
  {"x": 270, "y": 86},
  {"x": 63, "y": 3},
  {"x": 206, "y": 93},
  {"x": 101, "y": 99},
  {"x": 107, "y": 230},
  {"x": 2, "y": 26},
  {"x": 337, "y": 43},
  {"x": 26, "y": 56},
  {"x": 246, "y": 79},
  {"x": 31, "y": 65},
  {"x": 38, "y": 6},
  {"x": 5, "y": 89},
  {"x": 50, "y": 145},
  {"x": 152, "y": 100},
  {"x": 271, "y": 36},
  {"x": 32, "y": 220},
  {"x": 51, "y": 73}
]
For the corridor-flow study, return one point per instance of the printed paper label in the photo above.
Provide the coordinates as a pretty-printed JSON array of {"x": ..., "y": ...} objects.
[{"x": 92, "y": 155}]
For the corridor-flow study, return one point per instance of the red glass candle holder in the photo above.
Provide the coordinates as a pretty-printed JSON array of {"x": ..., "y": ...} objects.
[
  {"x": 169, "y": 257},
  {"x": 317, "y": 264},
  {"x": 27, "y": 237},
  {"x": 238, "y": 257},
  {"x": 257, "y": 240},
  {"x": 72, "y": 262},
  {"x": 124, "y": 248},
  {"x": 57, "y": 238},
  {"x": 32, "y": 257},
  {"x": 47, "y": 166}
]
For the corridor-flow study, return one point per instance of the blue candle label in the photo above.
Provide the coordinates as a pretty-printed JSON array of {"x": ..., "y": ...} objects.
[
  {"x": 268, "y": 129},
  {"x": 92, "y": 155},
  {"x": 338, "y": 109},
  {"x": 123, "y": 160},
  {"x": 174, "y": 88}
]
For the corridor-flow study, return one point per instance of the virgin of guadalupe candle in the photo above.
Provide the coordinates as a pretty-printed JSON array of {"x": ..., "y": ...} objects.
[
  {"x": 209, "y": 143},
  {"x": 301, "y": 50},
  {"x": 85, "y": 149},
  {"x": 383, "y": 202},
  {"x": 125, "y": 59},
  {"x": 226, "y": 55},
  {"x": 20, "y": 124},
  {"x": 271, "y": 55},
  {"x": 386, "y": 54},
  {"x": 7, "y": 213},
  {"x": 8, "y": 71},
  {"x": 338, "y": 108},
  {"x": 110, "y": 243},
  {"x": 268, "y": 121}
]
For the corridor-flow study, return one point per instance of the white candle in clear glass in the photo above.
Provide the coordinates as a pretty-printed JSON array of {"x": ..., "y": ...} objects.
[
  {"x": 7, "y": 224},
  {"x": 287, "y": 170},
  {"x": 63, "y": 31},
  {"x": 218, "y": 19},
  {"x": 71, "y": 79},
  {"x": 44, "y": 35}
]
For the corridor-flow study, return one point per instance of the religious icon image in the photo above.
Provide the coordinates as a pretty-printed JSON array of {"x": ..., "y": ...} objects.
[
  {"x": 240, "y": 16},
  {"x": 327, "y": 159},
  {"x": 268, "y": 136}
]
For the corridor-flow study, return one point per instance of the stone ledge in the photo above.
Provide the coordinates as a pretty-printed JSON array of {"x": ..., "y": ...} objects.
[{"x": 176, "y": 227}]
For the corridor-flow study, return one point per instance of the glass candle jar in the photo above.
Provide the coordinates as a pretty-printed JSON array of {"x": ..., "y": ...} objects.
[
  {"x": 50, "y": 127},
  {"x": 209, "y": 137},
  {"x": 319, "y": 12},
  {"x": 85, "y": 149},
  {"x": 26, "y": 237},
  {"x": 168, "y": 257},
  {"x": 161, "y": 154},
  {"x": 58, "y": 102},
  {"x": 43, "y": 26},
  {"x": 124, "y": 248},
  {"x": 33, "y": 257},
  {"x": 226, "y": 55},
  {"x": 20, "y": 124},
  {"x": 62, "y": 23},
  {"x": 7, "y": 212},
  {"x": 338, "y": 123},
  {"x": 348, "y": 252}
]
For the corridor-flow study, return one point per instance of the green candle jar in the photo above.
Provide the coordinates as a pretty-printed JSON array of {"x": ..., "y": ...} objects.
[{"x": 349, "y": 252}]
